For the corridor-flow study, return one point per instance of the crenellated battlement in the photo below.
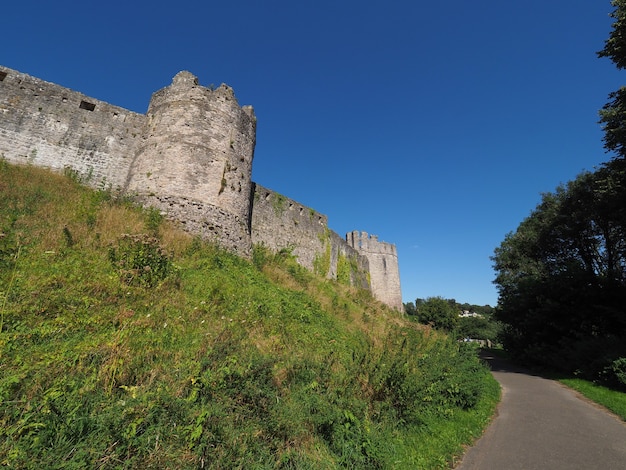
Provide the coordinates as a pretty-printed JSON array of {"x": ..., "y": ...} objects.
[
  {"x": 191, "y": 157},
  {"x": 383, "y": 266},
  {"x": 369, "y": 243},
  {"x": 198, "y": 145}
]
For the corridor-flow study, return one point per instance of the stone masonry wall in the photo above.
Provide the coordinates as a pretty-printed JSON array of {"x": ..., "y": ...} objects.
[
  {"x": 198, "y": 143},
  {"x": 279, "y": 222},
  {"x": 195, "y": 160},
  {"x": 46, "y": 125},
  {"x": 191, "y": 157},
  {"x": 383, "y": 267}
]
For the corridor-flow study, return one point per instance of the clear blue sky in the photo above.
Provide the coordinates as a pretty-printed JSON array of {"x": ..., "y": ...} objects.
[{"x": 434, "y": 125}]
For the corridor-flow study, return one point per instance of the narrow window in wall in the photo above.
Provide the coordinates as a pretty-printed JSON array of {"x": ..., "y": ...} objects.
[
  {"x": 86, "y": 105},
  {"x": 3, "y": 75}
]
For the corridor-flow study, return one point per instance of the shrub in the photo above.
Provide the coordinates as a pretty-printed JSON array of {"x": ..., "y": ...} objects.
[
  {"x": 615, "y": 373},
  {"x": 140, "y": 260},
  {"x": 154, "y": 219},
  {"x": 260, "y": 255}
]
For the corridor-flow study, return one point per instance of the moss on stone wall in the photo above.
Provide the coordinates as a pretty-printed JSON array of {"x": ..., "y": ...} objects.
[
  {"x": 344, "y": 270},
  {"x": 279, "y": 203},
  {"x": 321, "y": 263},
  {"x": 348, "y": 271}
]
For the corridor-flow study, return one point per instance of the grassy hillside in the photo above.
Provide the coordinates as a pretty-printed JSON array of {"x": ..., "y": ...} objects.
[{"x": 126, "y": 343}]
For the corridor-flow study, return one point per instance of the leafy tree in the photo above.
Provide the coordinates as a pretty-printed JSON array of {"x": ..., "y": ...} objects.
[
  {"x": 482, "y": 327},
  {"x": 561, "y": 276},
  {"x": 615, "y": 45},
  {"x": 444, "y": 314},
  {"x": 613, "y": 114},
  {"x": 438, "y": 312},
  {"x": 410, "y": 309}
]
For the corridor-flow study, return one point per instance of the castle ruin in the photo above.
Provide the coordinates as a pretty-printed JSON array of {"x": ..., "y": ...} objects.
[{"x": 190, "y": 156}]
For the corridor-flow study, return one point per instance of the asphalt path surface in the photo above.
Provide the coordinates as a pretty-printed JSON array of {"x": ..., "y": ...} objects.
[{"x": 541, "y": 424}]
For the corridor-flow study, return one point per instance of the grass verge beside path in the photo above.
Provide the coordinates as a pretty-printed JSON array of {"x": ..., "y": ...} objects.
[
  {"x": 440, "y": 443},
  {"x": 611, "y": 399},
  {"x": 462, "y": 429}
]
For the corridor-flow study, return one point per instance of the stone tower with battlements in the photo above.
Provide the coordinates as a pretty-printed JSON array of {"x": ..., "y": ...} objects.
[
  {"x": 383, "y": 267},
  {"x": 195, "y": 160},
  {"x": 190, "y": 156}
]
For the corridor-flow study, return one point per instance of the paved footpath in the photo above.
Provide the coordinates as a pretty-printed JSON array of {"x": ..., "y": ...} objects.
[{"x": 542, "y": 424}]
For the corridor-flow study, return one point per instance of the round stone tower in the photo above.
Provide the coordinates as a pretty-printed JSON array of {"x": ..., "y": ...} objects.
[{"x": 195, "y": 160}]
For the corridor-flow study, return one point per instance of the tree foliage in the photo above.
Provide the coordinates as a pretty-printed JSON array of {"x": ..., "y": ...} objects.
[
  {"x": 444, "y": 314},
  {"x": 561, "y": 275},
  {"x": 482, "y": 327},
  {"x": 613, "y": 114},
  {"x": 438, "y": 312},
  {"x": 615, "y": 45}
]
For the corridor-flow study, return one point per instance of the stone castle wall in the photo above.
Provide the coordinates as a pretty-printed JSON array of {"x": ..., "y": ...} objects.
[
  {"x": 383, "y": 267},
  {"x": 46, "y": 125},
  {"x": 191, "y": 157},
  {"x": 195, "y": 160},
  {"x": 277, "y": 221},
  {"x": 282, "y": 223}
]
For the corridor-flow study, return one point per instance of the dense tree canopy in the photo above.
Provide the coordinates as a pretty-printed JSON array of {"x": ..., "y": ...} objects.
[
  {"x": 561, "y": 276},
  {"x": 613, "y": 114},
  {"x": 615, "y": 45},
  {"x": 445, "y": 314},
  {"x": 437, "y": 312}
]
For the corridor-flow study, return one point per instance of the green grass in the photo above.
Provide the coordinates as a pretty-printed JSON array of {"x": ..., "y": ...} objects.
[
  {"x": 442, "y": 442},
  {"x": 612, "y": 400},
  {"x": 127, "y": 343}
]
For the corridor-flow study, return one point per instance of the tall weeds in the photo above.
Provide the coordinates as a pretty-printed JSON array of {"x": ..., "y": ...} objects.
[{"x": 215, "y": 362}]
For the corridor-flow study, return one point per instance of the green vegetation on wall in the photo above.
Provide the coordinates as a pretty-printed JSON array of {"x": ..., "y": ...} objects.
[
  {"x": 321, "y": 262},
  {"x": 348, "y": 271},
  {"x": 279, "y": 203},
  {"x": 344, "y": 270}
]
